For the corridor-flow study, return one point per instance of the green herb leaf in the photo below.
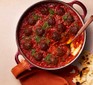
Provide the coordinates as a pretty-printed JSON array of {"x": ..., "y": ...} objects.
[
  {"x": 51, "y": 11},
  {"x": 47, "y": 41},
  {"x": 48, "y": 58},
  {"x": 65, "y": 17},
  {"x": 45, "y": 25},
  {"x": 36, "y": 17},
  {"x": 33, "y": 52},
  {"x": 37, "y": 38}
]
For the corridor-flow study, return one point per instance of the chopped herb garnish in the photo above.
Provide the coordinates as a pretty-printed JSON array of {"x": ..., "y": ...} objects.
[
  {"x": 65, "y": 17},
  {"x": 47, "y": 41},
  {"x": 37, "y": 38},
  {"x": 45, "y": 25},
  {"x": 36, "y": 17},
  {"x": 51, "y": 11},
  {"x": 33, "y": 52},
  {"x": 48, "y": 58}
]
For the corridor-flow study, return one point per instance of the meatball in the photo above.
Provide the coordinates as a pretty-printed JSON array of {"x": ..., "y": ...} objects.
[
  {"x": 61, "y": 28},
  {"x": 44, "y": 46},
  {"x": 27, "y": 45},
  {"x": 40, "y": 31},
  {"x": 44, "y": 11},
  {"x": 63, "y": 50},
  {"x": 60, "y": 11},
  {"x": 70, "y": 18},
  {"x": 64, "y": 37},
  {"x": 51, "y": 21},
  {"x": 39, "y": 56},
  {"x": 28, "y": 31},
  {"x": 32, "y": 21},
  {"x": 60, "y": 52},
  {"x": 56, "y": 36},
  {"x": 73, "y": 29}
]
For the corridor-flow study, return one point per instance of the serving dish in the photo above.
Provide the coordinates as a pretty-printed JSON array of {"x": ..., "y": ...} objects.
[{"x": 54, "y": 13}]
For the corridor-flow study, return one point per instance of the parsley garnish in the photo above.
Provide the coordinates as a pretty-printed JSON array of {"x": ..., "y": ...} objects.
[
  {"x": 37, "y": 38},
  {"x": 65, "y": 17},
  {"x": 33, "y": 52},
  {"x": 48, "y": 58},
  {"x": 45, "y": 25},
  {"x": 36, "y": 17},
  {"x": 47, "y": 41},
  {"x": 51, "y": 11}
]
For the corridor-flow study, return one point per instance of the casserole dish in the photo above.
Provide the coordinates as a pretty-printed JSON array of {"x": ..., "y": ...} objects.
[{"x": 44, "y": 51}]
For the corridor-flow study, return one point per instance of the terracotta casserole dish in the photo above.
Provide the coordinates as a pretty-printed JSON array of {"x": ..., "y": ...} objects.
[{"x": 44, "y": 27}]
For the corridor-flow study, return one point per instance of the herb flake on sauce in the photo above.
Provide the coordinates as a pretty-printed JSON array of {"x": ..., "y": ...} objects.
[
  {"x": 37, "y": 38},
  {"x": 47, "y": 41},
  {"x": 45, "y": 25},
  {"x": 36, "y": 17},
  {"x": 48, "y": 58},
  {"x": 65, "y": 17},
  {"x": 33, "y": 51},
  {"x": 51, "y": 11}
]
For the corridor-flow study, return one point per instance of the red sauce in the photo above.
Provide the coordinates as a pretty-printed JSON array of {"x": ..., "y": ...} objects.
[{"x": 43, "y": 31}]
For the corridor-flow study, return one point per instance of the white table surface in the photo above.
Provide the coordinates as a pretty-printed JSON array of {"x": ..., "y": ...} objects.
[{"x": 10, "y": 12}]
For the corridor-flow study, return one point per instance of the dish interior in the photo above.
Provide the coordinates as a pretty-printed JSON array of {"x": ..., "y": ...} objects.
[{"x": 44, "y": 29}]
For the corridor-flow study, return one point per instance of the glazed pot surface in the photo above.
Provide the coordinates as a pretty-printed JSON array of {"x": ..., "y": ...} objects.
[{"x": 69, "y": 5}]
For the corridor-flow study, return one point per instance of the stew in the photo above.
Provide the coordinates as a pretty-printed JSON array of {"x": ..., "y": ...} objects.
[{"x": 43, "y": 31}]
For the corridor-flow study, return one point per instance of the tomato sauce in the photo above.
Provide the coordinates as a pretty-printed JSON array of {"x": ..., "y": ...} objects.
[{"x": 43, "y": 31}]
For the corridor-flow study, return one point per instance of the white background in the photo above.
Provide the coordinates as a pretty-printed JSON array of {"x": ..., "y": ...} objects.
[{"x": 10, "y": 12}]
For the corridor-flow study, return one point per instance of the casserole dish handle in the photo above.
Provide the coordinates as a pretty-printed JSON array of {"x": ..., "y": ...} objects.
[
  {"x": 81, "y": 5},
  {"x": 24, "y": 63},
  {"x": 21, "y": 67},
  {"x": 16, "y": 57}
]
